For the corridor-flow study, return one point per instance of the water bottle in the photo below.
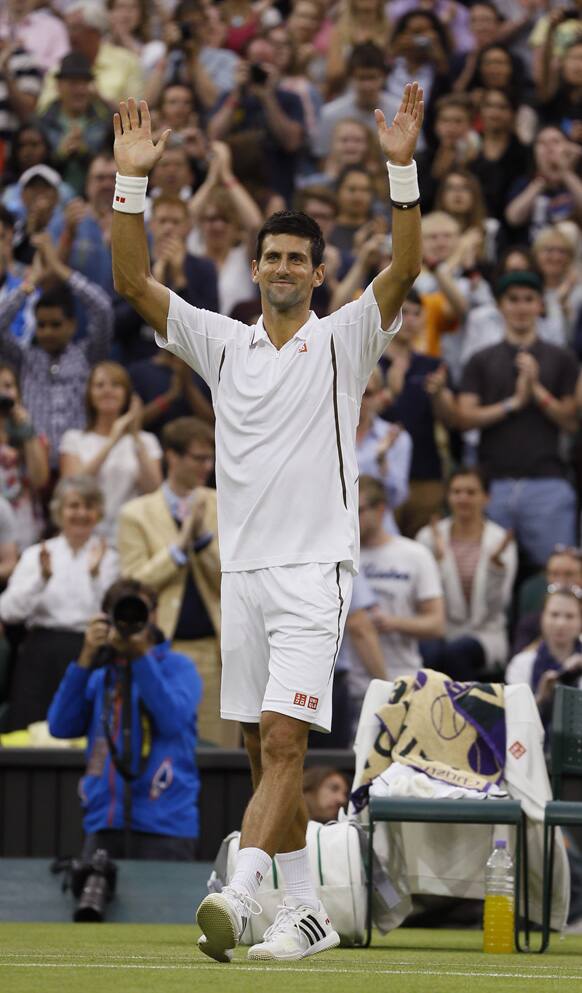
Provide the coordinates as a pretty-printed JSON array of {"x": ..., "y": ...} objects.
[{"x": 499, "y": 908}]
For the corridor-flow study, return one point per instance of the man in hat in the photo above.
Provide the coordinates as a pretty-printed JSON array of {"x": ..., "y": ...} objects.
[
  {"x": 77, "y": 122},
  {"x": 520, "y": 394},
  {"x": 117, "y": 71}
]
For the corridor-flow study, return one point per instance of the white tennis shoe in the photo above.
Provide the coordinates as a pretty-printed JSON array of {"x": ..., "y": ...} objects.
[
  {"x": 296, "y": 933},
  {"x": 222, "y": 918}
]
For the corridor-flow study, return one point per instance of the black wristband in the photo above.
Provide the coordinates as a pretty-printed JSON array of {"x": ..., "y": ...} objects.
[{"x": 405, "y": 206}]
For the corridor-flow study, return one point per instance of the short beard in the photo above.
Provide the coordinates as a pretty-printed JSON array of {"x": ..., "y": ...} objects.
[{"x": 284, "y": 305}]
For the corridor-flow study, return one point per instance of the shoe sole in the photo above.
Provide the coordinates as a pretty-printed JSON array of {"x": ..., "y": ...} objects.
[
  {"x": 264, "y": 955},
  {"x": 216, "y": 924}
]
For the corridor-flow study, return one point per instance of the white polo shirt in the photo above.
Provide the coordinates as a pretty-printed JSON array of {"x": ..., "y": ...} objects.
[{"x": 286, "y": 469}]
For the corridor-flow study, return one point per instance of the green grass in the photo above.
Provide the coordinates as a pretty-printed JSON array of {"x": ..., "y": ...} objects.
[{"x": 129, "y": 958}]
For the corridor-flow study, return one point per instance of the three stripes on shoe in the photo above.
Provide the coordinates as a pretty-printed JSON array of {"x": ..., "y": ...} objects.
[{"x": 311, "y": 928}]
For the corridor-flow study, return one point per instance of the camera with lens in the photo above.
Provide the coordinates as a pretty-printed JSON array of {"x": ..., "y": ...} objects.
[
  {"x": 186, "y": 32},
  {"x": 129, "y": 615},
  {"x": 6, "y": 404},
  {"x": 93, "y": 884},
  {"x": 257, "y": 74}
]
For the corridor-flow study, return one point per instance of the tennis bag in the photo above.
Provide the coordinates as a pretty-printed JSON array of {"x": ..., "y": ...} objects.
[{"x": 335, "y": 854}]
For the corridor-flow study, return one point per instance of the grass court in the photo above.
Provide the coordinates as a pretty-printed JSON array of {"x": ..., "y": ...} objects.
[{"x": 129, "y": 958}]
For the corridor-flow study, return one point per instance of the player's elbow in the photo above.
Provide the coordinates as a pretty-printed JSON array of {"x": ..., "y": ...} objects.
[{"x": 131, "y": 289}]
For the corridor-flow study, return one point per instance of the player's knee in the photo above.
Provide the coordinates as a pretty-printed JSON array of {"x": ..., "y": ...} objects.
[{"x": 283, "y": 742}]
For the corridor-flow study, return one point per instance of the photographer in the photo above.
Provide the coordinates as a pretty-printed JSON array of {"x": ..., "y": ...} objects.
[
  {"x": 263, "y": 123},
  {"x": 136, "y": 700}
]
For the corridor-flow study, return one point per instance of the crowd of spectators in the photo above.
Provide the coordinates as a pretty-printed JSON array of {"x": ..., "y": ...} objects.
[{"x": 469, "y": 442}]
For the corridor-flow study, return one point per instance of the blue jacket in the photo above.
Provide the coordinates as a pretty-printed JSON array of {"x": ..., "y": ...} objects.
[{"x": 165, "y": 792}]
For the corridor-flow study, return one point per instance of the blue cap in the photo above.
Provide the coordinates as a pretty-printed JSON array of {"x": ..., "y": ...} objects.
[{"x": 500, "y": 843}]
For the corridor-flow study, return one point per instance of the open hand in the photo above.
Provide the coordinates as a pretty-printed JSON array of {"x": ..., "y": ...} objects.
[
  {"x": 438, "y": 542},
  {"x": 497, "y": 555},
  {"x": 398, "y": 141},
  {"x": 44, "y": 557},
  {"x": 134, "y": 150},
  {"x": 95, "y": 556}
]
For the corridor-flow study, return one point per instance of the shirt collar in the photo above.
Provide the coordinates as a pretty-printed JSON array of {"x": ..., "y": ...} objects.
[{"x": 260, "y": 334}]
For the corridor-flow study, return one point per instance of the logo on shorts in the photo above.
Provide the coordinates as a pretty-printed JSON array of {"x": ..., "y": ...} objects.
[
  {"x": 303, "y": 347},
  {"x": 300, "y": 699},
  {"x": 312, "y": 702},
  {"x": 517, "y": 749}
]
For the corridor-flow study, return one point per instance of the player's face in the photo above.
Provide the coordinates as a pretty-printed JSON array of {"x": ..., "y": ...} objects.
[
  {"x": 285, "y": 273},
  {"x": 521, "y": 308}
]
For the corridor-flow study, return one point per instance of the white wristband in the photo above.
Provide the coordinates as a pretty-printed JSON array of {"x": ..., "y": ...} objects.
[
  {"x": 403, "y": 183},
  {"x": 130, "y": 194}
]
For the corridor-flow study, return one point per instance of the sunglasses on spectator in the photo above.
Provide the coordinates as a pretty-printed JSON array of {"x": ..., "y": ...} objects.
[{"x": 570, "y": 590}]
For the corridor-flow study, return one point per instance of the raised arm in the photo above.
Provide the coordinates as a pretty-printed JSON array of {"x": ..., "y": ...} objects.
[
  {"x": 135, "y": 156},
  {"x": 398, "y": 143}
]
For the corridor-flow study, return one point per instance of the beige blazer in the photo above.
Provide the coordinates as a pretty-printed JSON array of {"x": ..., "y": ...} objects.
[{"x": 146, "y": 531}]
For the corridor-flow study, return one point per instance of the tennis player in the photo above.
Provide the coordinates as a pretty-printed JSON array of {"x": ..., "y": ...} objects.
[{"x": 286, "y": 394}]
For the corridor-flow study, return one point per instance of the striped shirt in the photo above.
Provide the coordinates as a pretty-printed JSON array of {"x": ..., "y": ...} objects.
[{"x": 53, "y": 386}]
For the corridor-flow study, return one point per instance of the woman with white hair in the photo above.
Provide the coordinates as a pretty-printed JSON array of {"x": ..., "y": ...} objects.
[{"x": 54, "y": 590}]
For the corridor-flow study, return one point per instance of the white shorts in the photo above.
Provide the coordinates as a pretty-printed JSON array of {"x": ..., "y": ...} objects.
[{"x": 281, "y": 632}]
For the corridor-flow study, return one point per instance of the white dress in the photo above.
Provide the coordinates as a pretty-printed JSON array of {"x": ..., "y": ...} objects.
[{"x": 119, "y": 473}]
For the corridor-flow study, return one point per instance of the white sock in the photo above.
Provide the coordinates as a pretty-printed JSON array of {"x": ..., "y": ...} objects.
[
  {"x": 299, "y": 886},
  {"x": 250, "y": 867}
]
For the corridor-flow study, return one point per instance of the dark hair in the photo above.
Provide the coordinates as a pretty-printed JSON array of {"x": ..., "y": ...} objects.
[
  {"x": 516, "y": 81},
  {"x": 58, "y": 296},
  {"x": 13, "y": 168},
  {"x": 490, "y": 5},
  {"x": 317, "y": 192},
  {"x": 461, "y": 101},
  {"x": 470, "y": 470},
  {"x": 509, "y": 95},
  {"x": 6, "y": 218},
  {"x": 366, "y": 56},
  {"x": 176, "y": 84},
  {"x": 185, "y": 6},
  {"x": 436, "y": 24},
  {"x": 293, "y": 222},
  {"x": 180, "y": 433},
  {"x": 317, "y": 774},
  {"x": 128, "y": 587},
  {"x": 413, "y": 296},
  {"x": 8, "y": 367},
  {"x": 346, "y": 172},
  {"x": 475, "y": 216}
]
